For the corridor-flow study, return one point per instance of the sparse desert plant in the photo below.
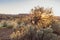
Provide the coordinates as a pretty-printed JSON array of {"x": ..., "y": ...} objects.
[
  {"x": 56, "y": 26},
  {"x": 6, "y": 24},
  {"x": 41, "y": 17},
  {"x": 1, "y": 25},
  {"x": 15, "y": 35}
]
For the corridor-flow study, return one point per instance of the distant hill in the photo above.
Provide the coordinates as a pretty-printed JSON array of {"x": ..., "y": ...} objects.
[
  {"x": 57, "y": 17},
  {"x": 9, "y": 16}
]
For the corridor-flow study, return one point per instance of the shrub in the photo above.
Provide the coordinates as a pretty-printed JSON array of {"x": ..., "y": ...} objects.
[{"x": 56, "y": 26}]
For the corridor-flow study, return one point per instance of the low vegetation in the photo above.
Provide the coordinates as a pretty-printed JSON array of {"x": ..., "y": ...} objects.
[{"x": 39, "y": 25}]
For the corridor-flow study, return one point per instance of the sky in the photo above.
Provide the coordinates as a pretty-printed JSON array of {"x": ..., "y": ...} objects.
[{"x": 24, "y": 6}]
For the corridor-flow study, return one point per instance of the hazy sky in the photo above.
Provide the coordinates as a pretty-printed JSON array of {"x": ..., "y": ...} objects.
[{"x": 24, "y": 6}]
